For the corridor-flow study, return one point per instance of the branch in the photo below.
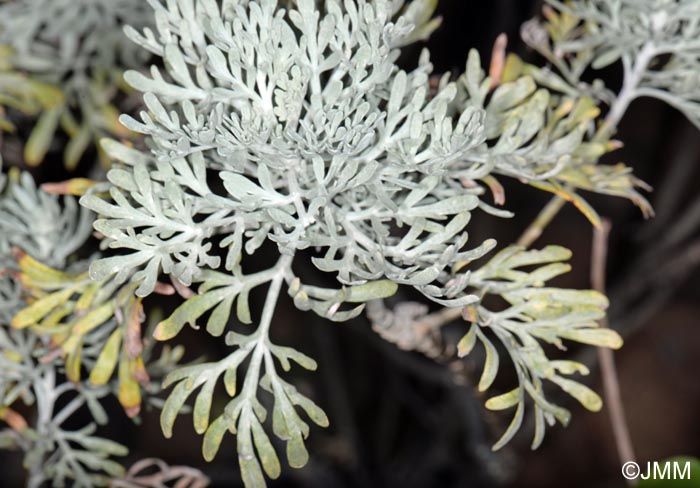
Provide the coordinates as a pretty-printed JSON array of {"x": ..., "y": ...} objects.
[
  {"x": 545, "y": 217},
  {"x": 630, "y": 89},
  {"x": 611, "y": 386}
]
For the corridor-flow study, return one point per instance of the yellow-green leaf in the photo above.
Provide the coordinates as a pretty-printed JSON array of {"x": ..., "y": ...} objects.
[
  {"x": 297, "y": 455},
  {"x": 51, "y": 321},
  {"x": 213, "y": 437},
  {"x": 490, "y": 365},
  {"x": 50, "y": 96},
  {"x": 230, "y": 381},
  {"x": 85, "y": 300},
  {"x": 512, "y": 428},
  {"x": 587, "y": 397},
  {"x": 202, "y": 407},
  {"x": 504, "y": 401},
  {"x": 129, "y": 390},
  {"x": 188, "y": 312},
  {"x": 73, "y": 363},
  {"x": 76, "y": 147},
  {"x": 95, "y": 318},
  {"x": 266, "y": 452},
  {"x": 39, "y": 309},
  {"x": 172, "y": 407},
  {"x": 107, "y": 360},
  {"x": 219, "y": 317},
  {"x": 601, "y": 337},
  {"x": 466, "y": 344},
  {"x": 513, "y": 68},
  {"x": 371, "y": 291},
  {"x": 40, "y": 139},
  {"x": 38, "y": 270},
  {"x": 243, "y": 308}
]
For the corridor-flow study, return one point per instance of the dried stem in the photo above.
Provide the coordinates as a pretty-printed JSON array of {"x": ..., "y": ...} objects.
[
  {"x": 139, "y": 477},
  {"x": 611, "y": 386}
]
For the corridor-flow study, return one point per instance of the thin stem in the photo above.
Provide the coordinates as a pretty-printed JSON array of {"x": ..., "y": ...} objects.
[
  {"x": 69, "y": 457},
  {"x": 63, "y": 388},
  {"x": 272, "y": 296},
  {"x": 534, "y": 231},
  {"x": 253, "y": 373},
  {"x": 611, "y": 385},
  {"x": 629, "y": 91},
  {"x": 68, "y": 410}
]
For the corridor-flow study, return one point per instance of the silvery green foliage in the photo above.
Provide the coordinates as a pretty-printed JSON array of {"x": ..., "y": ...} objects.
[
  {"x": 9, "y": 288},
  {"x": 51, "y": 229},
  {"x": 327, "y": 145},
  {"x": 32, "y": 219},
  {"x": 9, "y": 297},
  {"x": 656, "y": 41},
  {"x": 334, "y": 146},
  {"x": 65, "y": 41},
  {"x": 61, "y": 63},
  {"x": 296, "y": 126},
  {"x": 47, "y": 227},
  {"x": 55, "y": 454},
  {"x": 535, "y": 314}
]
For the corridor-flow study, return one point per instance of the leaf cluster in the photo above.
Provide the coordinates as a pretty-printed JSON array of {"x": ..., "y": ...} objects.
[
  {"x": 655, "y": 40},
  {"x": 291, "y": 122},
  {"x": 61, "y": 64},
  {"x": 52, "y": 229},
  {"x": 535, "y": 314}
]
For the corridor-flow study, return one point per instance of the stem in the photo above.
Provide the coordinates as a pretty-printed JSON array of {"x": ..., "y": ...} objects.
[
  {"x": 534, "y": 231},
  {"x": 68, "y": 410},
  {"x": 44, "y": 387},
  {"x": 629, "y": 91},
  {"x": 272, "y": 296},
  {"x": 611, "y": 385},
  {"x": 253, "y": 373}
]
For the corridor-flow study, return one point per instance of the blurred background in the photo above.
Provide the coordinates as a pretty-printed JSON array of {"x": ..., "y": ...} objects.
[{"x": 399, "y": 419}]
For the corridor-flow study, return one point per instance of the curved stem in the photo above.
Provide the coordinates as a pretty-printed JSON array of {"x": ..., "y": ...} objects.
[
  {"x": 629, "y": 91},
  {"x": 68, "y": 410},
  {"x": 611, "y": 385}
]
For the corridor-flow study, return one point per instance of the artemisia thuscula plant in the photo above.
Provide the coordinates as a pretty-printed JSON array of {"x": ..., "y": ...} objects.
[{"x": 291, "y": 125}]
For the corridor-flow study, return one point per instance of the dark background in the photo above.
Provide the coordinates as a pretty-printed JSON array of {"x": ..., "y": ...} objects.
[{"x": 401, "y": 420}]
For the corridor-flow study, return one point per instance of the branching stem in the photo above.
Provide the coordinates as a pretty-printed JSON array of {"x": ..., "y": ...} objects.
[
  {"x": 629, "y": 91},
  {"x": 261, "y": 343}
]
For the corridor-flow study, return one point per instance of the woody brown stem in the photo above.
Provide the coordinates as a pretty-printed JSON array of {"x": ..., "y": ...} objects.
[{"x": 611, "y": 385}]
